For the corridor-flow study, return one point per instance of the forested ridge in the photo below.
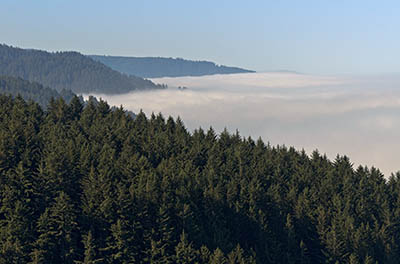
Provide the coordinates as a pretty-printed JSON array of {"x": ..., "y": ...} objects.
[
  {"x": 67, "y": 71},
  {"x": 156, "y": 67},
  {"x": 15, "y": 86},
  {"x": 32, "y": 91},
  {"x": 90, "y": 185}
]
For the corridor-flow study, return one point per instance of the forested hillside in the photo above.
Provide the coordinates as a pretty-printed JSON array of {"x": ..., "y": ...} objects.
[
  {"x": 42, "y": 95},
  {"x": 32, "y": 91},
  {"x": 155, "y": 67},
  {"x": 67, "y": 70},
  {"x": 91, "y": 185}
]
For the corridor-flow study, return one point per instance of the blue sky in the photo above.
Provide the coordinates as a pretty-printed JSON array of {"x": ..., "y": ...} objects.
[{"x": 311, "y": 36}]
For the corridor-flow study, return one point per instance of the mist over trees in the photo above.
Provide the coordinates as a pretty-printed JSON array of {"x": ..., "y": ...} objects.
[
  {"x": 90, "y": 185},
  {"x": 67, "y": 71},
  {"x": 155, "y": 67},
  {"x": 32, "y": 91}
]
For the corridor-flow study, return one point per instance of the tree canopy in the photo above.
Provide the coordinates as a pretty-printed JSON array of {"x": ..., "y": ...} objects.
[{"x": 90, "y": 185}]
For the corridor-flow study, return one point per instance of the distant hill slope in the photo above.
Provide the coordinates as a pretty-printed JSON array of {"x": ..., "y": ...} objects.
[
  {"x": 31, "y": 90},
  {"x": 67, "y": 70},
  {"x": 36, "y": 92},
  {"x": 152, "y": 67}
]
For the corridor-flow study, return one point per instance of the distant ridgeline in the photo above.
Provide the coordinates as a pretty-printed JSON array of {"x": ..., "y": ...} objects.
[
  {"x": 67, "y": 70},
  {"x": 152, "y": 67}
]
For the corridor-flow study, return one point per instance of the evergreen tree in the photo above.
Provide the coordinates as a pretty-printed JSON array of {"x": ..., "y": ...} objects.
[
  {"x": 58, "y": 232},
  {"x": 185, "y": 253},
  {"x": 91, "y": 251}
]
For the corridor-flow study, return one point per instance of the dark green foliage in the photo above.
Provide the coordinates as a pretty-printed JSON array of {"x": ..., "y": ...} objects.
[
  {"x": 67, "y": 71},
  {"x": 152, "y": 67},
  {"x": 93, "y": 185},
  {"x": 57, "y": 233}
]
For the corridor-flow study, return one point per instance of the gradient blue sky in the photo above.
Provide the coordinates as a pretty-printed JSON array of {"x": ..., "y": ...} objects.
[{"x": 311, "y": 36}]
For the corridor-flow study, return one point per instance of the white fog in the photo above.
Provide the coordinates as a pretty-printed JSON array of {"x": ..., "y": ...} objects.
[{"x": 357, "y": 116}]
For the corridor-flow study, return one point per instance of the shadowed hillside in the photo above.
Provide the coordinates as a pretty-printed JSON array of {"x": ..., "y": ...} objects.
[
  {"x": 67, "y": 70},
  {"x": 32, "y": 91}
]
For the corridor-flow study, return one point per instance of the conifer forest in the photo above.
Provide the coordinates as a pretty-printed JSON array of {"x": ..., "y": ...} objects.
[{"x": 87, "y": 184}]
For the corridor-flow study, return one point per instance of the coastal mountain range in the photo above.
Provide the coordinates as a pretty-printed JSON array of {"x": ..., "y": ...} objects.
[
  {"x": 70, "y": 70},
  {"x": 156, "y": 67}
]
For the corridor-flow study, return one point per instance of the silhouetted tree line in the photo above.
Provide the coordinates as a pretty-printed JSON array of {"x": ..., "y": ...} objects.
[
  {"x": 155, "y": 67},
  {"x": 90, "y": 185},
  {"x": 67, "y": 71}
]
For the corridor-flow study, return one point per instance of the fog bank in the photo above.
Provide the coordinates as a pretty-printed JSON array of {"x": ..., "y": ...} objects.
[{"x": 358, "y": 116}]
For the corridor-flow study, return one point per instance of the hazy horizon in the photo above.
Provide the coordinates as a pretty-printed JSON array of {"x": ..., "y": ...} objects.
[
  {"x": 345, "y": 37},
  {"x": 357, "y": 116}
]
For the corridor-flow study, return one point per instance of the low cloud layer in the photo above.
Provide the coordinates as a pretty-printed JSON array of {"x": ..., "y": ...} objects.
[{"x": 358, "y": 116}]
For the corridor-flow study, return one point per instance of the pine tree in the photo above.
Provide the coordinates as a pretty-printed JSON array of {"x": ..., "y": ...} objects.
[
  {"x": 121, "y": 245},
  {"x": 205, "y": 255},
  {"x": 17, "y": 208},
  {"x": 57, "y": 228},
  {"x": 91, "y": 251},
  {"x": 218, "y": 257},
  {"x": 185, "y": 253},
  {"x": 236, "y": 256}
]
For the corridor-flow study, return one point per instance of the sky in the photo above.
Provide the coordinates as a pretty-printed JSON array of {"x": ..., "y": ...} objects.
[
  {"x": 310, "y": 36},
  {"x": 357, "y": 116}
]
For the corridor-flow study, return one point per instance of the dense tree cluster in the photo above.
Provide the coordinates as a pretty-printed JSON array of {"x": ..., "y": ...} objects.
[
  {"x": 155, "y": 67},
  {"x": 32, "y": 91},
  {"x": 90, "y": 185},
  {"x": 67, "y": 70}
]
